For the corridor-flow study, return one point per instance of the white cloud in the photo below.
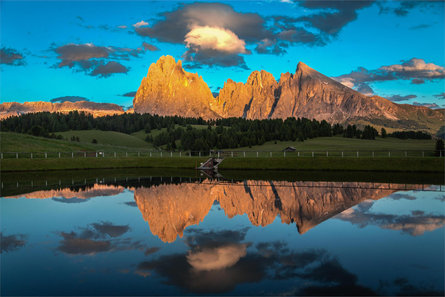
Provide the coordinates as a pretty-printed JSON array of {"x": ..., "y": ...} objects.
[
  {"x": 217, "y": 258},
  {"x": 215, "y": 38},
  {"x": 123, "y": 26},
  {"x": 140, "y": 24}
]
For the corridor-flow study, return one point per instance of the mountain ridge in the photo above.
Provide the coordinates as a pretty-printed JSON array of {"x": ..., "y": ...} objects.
[{"x": 305, "y": 93}]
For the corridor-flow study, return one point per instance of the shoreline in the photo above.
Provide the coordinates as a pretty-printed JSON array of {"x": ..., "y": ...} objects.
[{"x": 411, "y": 164}]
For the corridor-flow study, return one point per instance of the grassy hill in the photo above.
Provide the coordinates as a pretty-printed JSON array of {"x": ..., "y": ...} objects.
[
  {"x": 107, "y": 141},
  {"x": 106, "y": 137}
]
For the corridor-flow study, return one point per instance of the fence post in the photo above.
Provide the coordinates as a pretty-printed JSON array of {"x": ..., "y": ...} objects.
[
  {"x": 284, "y": 153},
  {"x": 31, "y": 155},
  {"x": 16, "y": 155},
  {"x": 161, "y": 154},
  {"x": 96, "y": 154},
  {"x": 126, "y": 154},
  {"x": 59, "y": 155},
  {"x": 84, "y": 154},
  {"x": 180, "y": 154},
  {"x": 150, "y": 154},
  {"x": 103, "y": 155},
  {"x": 312, "y": 154},
  {"x": 423, "y": 154},
  {"x": 389, "y": 154},
  {"x": 139, "y": 154},
  {"x": 373, "y": 154},
  {"x": 270, "y": 154},
  {"x": 232, "y": 154},
  {"x": 327, "y": 154},
  {"x": 190, "y": 154},
  {"x": 72, "y": 154},
  {"x": 218, "y": 154},
  {"x": 115, "y": 154},
  {"x": 257, "y": 154},
  {"x": 357, "y": 154},
  {"x": 244, "y": 153},
  {"x": 342, "y": 154},
  {"x": 298, "y": 154}
]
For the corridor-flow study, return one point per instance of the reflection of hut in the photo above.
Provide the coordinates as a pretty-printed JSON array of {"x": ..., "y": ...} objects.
[{"x": 289, "y": 149}]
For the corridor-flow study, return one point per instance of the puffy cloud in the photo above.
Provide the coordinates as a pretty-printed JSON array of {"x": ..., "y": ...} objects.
[
  {"x": 9, "y": 56},
  {"x": 105, "y": 70},
  {"x": 365, "y": 89},
  {"x": 11, "y": 243},
  {"x": 332, "y": 15},
  {"x": 140, "y": 24},
  {"x": 95, "y": 238},
  {"x": 214, "y": 33},
  {"x": 69, "y": 99},
  {"x": 70, "y": 53},
  {"x": 440, "y": 96},
  {"x": 122, "y": 27},
  {"x": 404, "y": 7},
  {"x": 110, "y": 229},
  {"x": 94, "y": 60},
  {"x": 149, "y": 47},
  {"x": 217, "y": 258},
  {"x": 413, "y": 225},
  {"x": 425, "y": 104},
  {"x": 129, "y": 94},
  {"x": 214, "y": 38},
  {"x": 73, "y": 244},
  {"x": 416, "y": 70},
  {"x": 397, "y": 98}
]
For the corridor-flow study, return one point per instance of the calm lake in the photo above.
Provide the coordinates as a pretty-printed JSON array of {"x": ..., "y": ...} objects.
[{"x": 144, "y": 234}]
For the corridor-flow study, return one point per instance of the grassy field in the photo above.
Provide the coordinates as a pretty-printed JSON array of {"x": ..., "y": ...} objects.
[
  {"x": 15, "y": 142},
  {"x": 110, "y": 142},
  {"x": 338, "y": 143},
  {"x": 426, "y": 164},
  {"x": 107, "y": 138}
]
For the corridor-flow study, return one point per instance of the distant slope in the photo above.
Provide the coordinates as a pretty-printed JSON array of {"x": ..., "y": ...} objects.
[
  {"x": 17, "y": 142},
  {"x": 8, "y": 109}
]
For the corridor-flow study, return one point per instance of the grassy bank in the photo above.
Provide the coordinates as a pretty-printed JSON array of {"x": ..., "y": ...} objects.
[{"x": 411, "y": 164}]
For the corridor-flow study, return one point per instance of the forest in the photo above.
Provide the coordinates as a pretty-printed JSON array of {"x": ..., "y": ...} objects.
[{"x": 178, "y": 132}]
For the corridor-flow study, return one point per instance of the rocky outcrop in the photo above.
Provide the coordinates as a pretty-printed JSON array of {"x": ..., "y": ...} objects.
[
  {"x": 96, "y": 109},
  {"x": 170, "y": 208},
  {"x": 169, "y": 90}
]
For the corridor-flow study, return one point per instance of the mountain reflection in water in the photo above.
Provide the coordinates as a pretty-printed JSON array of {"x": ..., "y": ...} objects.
[{"x": 169, "y": 208}]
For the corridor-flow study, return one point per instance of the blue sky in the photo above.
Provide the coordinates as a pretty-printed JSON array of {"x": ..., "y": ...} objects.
[{"x": 102, "y": 50}]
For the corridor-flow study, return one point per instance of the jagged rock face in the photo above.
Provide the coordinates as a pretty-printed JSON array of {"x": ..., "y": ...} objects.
[
  {"x": 252, "y": 100},
  {"x": 169, "y": 90},
  {"x": 170, "y": 208},
  {"x": 96, "y": 109}
]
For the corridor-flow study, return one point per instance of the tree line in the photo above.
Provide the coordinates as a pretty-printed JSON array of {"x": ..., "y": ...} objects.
[{"x": 179, "y": 132}]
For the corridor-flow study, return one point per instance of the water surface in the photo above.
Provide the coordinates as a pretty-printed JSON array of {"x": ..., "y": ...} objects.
[{"x": 151, "y": 235}]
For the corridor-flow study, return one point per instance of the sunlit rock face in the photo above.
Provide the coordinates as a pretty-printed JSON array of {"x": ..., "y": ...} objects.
[
  {"x": 169, "y": 90},
  {"x": 169, "y": 209},
  {"x": 67, "y": 193},
  {"x": 96, "y": 109}
]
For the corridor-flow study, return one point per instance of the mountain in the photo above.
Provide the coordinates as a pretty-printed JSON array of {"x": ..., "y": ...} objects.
[
  {"x": 170, "y": 208},
  {"x": 96, "y": 109},
  {"x": 169, "y": 90}
]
